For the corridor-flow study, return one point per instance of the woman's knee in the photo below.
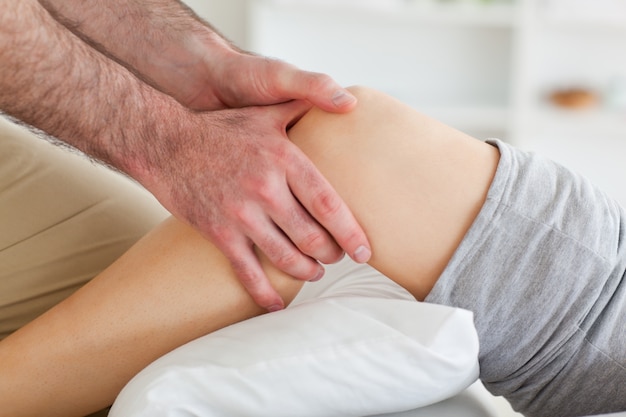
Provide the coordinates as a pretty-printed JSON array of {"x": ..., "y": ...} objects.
[{"x": 413, "y": 183}]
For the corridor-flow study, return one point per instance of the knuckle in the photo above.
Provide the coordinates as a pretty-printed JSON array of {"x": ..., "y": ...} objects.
[
  {"x": 319, "y": 246},
  {"x": 326, "y": 204},
  {"x": 252, "y": 181},
  {"x": 256, "y": 285},
  {"x": 266, "y": 192},
  {"x": 281, "y": 255},
  {"x": 284, "y": 153},
  {"x": 277, "y": 72},
  {"x": 270, "y": 194},
  {"x": 320, "y": 80},
  {"x": 287, "y": 260},
  {"x": 221, "y": 234},
  {"x": 312, "y": 242},
  {"x": 244, "y": 216},
  {"x": 263, "y": 187},
  {"x": 245, "y": 274}
]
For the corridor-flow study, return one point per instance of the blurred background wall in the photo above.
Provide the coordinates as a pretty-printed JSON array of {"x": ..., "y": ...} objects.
[
  {"x": 546, "y": 75},
  {"x": 228, "y": 16}
]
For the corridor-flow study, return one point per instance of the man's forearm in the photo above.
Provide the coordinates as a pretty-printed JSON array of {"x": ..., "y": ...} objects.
[
  {"x": 162, "y": 41},
  {"x": 52, "y": 80},
  {"x": 232, "y": 174}
]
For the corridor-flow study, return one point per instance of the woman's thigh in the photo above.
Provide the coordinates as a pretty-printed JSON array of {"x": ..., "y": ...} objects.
[{"x": 63, "y": 220}]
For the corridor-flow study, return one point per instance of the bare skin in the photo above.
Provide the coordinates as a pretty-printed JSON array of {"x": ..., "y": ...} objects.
[
  {"x": 228, "y": 171},
  {"x": 168, "y": 46},
  {"x": 416, "y": 186}
]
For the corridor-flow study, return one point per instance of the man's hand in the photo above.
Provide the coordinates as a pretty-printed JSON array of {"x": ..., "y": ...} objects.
[
  {"x": 259, "y": 188},
  {"x": 243, "y": 183},
  {"x": 232, "y": 174},
  {"x": 229, "y": 78}
]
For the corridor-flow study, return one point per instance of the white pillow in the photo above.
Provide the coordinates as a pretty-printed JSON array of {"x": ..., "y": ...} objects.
[{"x": 330, "y": 354}]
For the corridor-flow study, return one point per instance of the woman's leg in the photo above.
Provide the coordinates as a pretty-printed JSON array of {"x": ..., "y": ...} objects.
[
  {"x": 168, "y": 289},
  {"x": 63, "y": 219},
  {"x": 414, "y": 184}
]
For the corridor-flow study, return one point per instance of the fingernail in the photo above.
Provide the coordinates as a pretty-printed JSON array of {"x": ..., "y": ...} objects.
[
  {"x": 362, "y": 254},
  {"x": 318, "y": 276},
  {"x": 274, "y": 307},
  {"x": 342, "y": 98}
]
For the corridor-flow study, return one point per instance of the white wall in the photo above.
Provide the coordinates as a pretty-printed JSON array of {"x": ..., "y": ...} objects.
[
  {"x": 486, "y": 74},
  {"x": 228, "y": 16}
]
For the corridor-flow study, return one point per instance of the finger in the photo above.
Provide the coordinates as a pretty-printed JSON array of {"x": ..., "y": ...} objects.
[
  {"x": 248, "y": 269},
  {"x": 282, "y": 253},
  {"x": 323, "y": 92},
  {"x": 326, "y": 206},
  {"x": 277, "y": 247},
  {"x": 285, "y": 210},
  {"x": 304, "y": 231},
  {"x": 319, "y": 89}
]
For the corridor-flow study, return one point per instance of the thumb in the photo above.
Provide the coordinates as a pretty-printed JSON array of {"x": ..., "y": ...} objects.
[
  {"x": 325, "y": 93},
  {"x": 319, "y": 89}
]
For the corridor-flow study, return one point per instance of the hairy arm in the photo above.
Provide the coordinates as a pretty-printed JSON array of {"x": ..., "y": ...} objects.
[
  {"x": 232, "y": 174},
  {"x": 52, "y": 80},
  {"x": 162, "y": 41},
  {"x": 167, "y": 45}
]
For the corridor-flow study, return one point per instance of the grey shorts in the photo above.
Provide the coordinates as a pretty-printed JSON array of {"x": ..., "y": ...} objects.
[{"x": 542, "y": 268}]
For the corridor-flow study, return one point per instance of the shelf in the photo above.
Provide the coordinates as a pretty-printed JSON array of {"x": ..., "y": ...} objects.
[
  {"x": 459, "y": 13},
  {"x": 473, "y": 65},
  {"x": 583, "y": 122},
  {"x": 604, "y": 14},
  {"x": 462, "y": 13}
]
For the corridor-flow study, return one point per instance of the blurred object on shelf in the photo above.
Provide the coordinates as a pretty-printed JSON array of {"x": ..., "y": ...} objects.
[
  {"x": 603, "y": 11},
  {"x": 612, "y": 98},
  {"x": 574, "y": 98}
]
